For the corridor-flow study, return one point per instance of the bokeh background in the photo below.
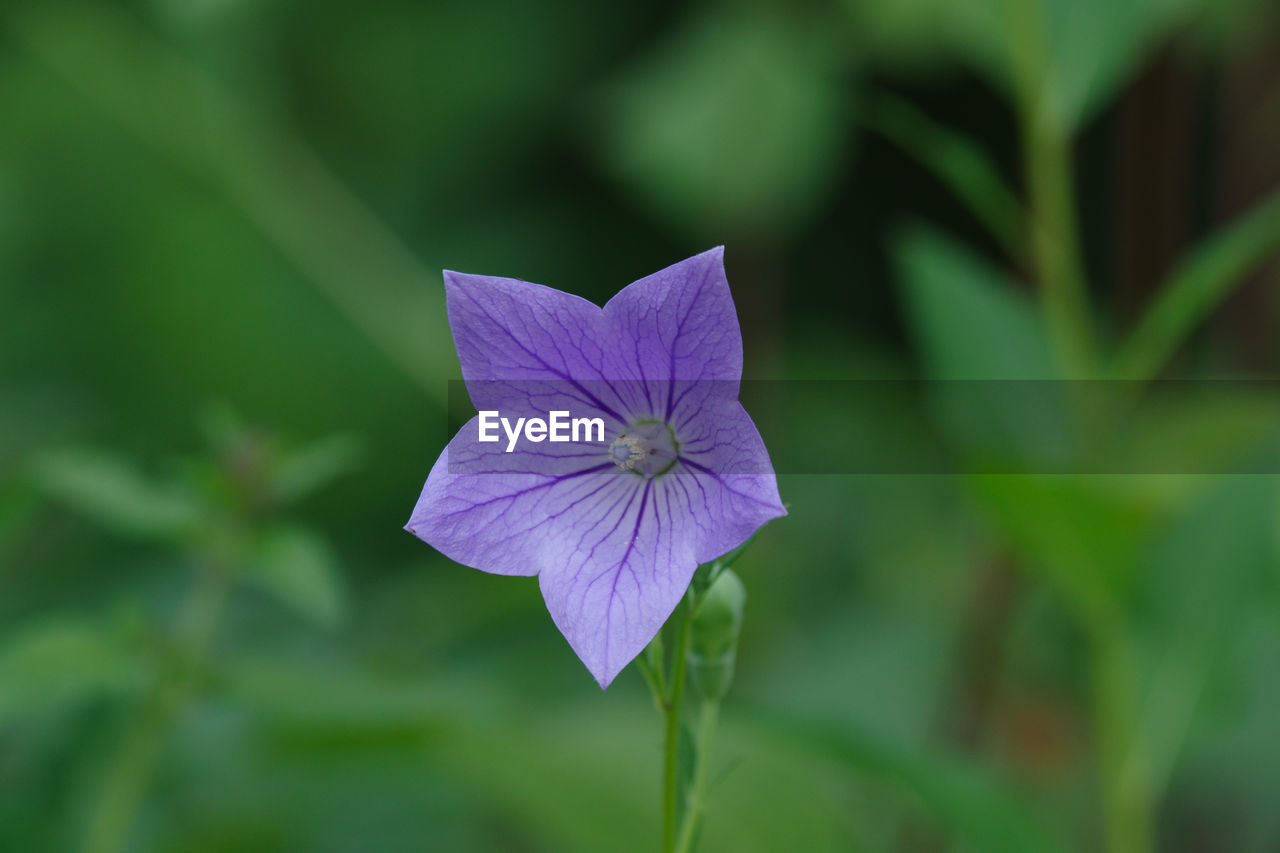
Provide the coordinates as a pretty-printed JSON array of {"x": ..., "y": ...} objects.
[{"x": 224, "y": 368}]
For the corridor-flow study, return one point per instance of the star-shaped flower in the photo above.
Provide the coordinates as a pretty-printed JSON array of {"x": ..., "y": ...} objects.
[{"x": 613, "y": 525}]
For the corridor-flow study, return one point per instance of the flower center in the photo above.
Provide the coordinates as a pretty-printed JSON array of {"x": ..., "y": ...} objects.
[{"x": 649, "y": 448}]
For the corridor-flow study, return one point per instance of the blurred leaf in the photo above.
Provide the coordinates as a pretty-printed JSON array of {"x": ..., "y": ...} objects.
[
  {"x": 300, "y": 569},
  {"x": 977, "y": 333},
  {"x": 1232, "y": 760},
  {"x": 1208, "y": 570},
  {"x": 547, "y": 774},
  {"x": 916, "y": 32},
  {"x": 222, "y": 427},
  {"x": 958, "y": 162},
  {"x": 735, "y": 123},
  {"x": 275, "y": 180},
  {"x": 1095, "y": 45},
  {"x": 61, "y": 661},
  {"x": 893, "y": 670},
  {"x": 298, "y": 473},
  {"x": 1082, "y": 531},
  {"x": 1196, "y": 428},
  {"x": 344, "y": 707},
  {"x": 1199, "y": 284},
  {"x": 289, "y": 474},
  {"x": 968, "y": 319},
  {"x": 19, "y": 501},
  {"x": 964, "y": 801},
  {"x": 1090, "y": 47},
  {"x": 115, "y": 494}
]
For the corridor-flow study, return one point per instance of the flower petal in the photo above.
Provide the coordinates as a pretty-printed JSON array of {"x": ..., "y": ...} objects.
[
  {"x": 725, "y": 479},
  {"x": 615, "y": 581},
  {"x": 497, "y": 511},
  {"x": 505, "y": 329},
  {"x": 678, "y": 323}
]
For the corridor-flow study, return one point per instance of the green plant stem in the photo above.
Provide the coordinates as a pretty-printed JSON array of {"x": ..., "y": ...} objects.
[
  {"x": 126, "y": 778},
  {"x": 1057, "y": 254},
  {"x": 1056, "y": 250},
  {"x": 1126, "y": 794},
  {"x": 125, "y": 781},
  {"x": 671, "y": 763},
  {"x": 697, "y": 804},
  {"x": 1047, "y": 163}
]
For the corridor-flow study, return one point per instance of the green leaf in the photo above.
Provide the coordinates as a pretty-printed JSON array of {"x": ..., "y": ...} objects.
[
  {"x": 958, "y": 162},
  {"x": 1090, "y": 47},
  {"x": 299, "y": 569},
  {"x": 1083, "y": 532},
  {"x": 222, "y": 426},
  {"x": 975, "y": 331},
  {"x": 968, "y": 319},
  {"x": 60, "y": 661},
  {"x": 339, "y": 707},
  {"x": 1198, "y": 286},
  {"x": 1095, "y": 45},
  {"x": 19, "y": 502},
  {"x": 283, "y": 188},
  {"x": 1210, "y": 569},
  {"x": 736, "y": 122},
  {"x": 115, "y": 494},
  {"x": 301, "y": 472},
  {"x": 1199, "y": 428},
  {"x": 923, "y": 32},
  {"x": 1277, "y": 549},
  {"x": 541, "y": 772}
]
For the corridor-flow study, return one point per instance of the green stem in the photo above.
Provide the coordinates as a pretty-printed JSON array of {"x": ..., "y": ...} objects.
[
  {"x": 671, "y": 765},
  {"x": 697, "y": 804},
  {"x": 1055, "y": 244},
  {"x": 126, "y": 778},
  {"x": 1047, "y": 161},
  {"x": 1126, "y": 794}
]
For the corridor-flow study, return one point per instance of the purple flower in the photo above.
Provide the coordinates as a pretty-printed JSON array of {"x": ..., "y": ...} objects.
[{"x": 613, "y": 525}]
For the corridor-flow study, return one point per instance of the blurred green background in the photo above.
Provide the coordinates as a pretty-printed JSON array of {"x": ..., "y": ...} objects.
[{"x": 224, "y": 368}]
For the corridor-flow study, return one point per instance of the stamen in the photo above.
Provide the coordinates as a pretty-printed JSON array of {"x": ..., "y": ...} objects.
[{"x": 649, "y": 449}]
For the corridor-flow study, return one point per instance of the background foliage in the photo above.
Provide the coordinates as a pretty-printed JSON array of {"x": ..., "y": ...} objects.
[{"x": 224, "y": 367}]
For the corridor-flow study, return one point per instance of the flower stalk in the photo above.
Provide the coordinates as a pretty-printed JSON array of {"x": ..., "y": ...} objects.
[
  {"x": 1055, "y": 241},
  {"x": 706, "y": 627},
  {"x": 672, "y": 708},
  {"x": 131, "y": 769},
  {"x": 697, "y": 804}
]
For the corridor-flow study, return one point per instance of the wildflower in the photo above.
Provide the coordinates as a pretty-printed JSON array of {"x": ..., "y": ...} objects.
[{"x": 612, "y": 528}]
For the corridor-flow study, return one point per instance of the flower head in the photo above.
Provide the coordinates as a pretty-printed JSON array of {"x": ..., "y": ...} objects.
[{"x": 613, "y": 524}]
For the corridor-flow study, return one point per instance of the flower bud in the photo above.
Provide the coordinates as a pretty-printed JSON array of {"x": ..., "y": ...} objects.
[{"x": 713, "y": 640}]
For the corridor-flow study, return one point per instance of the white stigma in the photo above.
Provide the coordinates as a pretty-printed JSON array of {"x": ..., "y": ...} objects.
[
  {"x": 628, "y": 451},
  {"x": 648, "y": 448}
]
